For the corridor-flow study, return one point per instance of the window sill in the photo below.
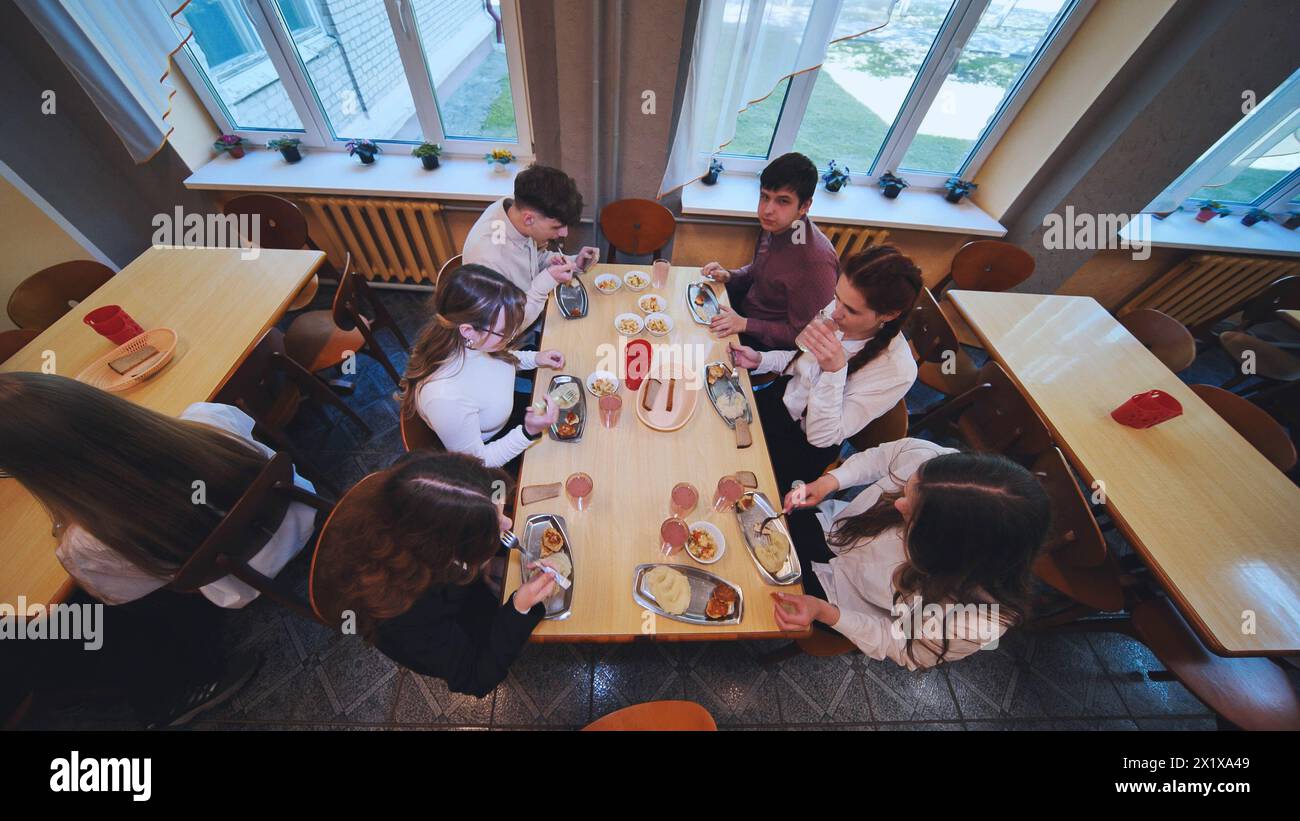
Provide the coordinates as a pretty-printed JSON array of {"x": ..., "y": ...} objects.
[
  {"x": 334, "y": 172},
  {"x": 736, "y": 195},
  {"x": 1225, "y": 234}
]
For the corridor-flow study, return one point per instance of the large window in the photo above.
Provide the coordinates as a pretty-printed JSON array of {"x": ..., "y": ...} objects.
[
  {"x": 327, "y": 71},
  {"x": 925, "y": 95}
]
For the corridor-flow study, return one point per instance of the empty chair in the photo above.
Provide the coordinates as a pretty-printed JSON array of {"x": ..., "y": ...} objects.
[
  {"x": 678, "y": 716},
  {"x": 1269, "y": 362},
  {"x": 1281, "y": 294},
  {"x": 281, "y": 224},
  {"x": 993, "y": 417},
  {"x": 942, "y": 364},
  {"x": 1253, "y": 423},
  {"x": 39, "y": 301},
  {"x": 11, "y": 342},
  {"x": 324, "y": 339},
  {"x": 636, "y": 227},
  {"x": 1163, "y": 335},
  {"x": 988, "y": 265}
]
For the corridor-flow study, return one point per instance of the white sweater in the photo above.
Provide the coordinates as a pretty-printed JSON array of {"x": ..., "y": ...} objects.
[
  {"x": 468, "y": 400},
  {"x": 494, "y": 241},
  {"x": 840, "y": 405},
  {"x": 860, "y": 579}
]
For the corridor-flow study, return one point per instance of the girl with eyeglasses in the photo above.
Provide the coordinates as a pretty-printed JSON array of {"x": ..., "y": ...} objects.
[{"x": 460, "y": 377}]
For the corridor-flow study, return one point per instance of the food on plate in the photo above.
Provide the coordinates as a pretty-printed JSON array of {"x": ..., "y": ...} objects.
[
  {"x": 648, "y": 395},
  {"x": 700, "y": 297},
  {"x": 702, "y": 545},
  {"x": 575, "y": 311},
  {"x": 603, "y": 386},
  {"x": 715, "y": 373},
  {"x": 607, "y": 284},
  {"x": 636, "y": 280},
  {"x": 628, "y": 326},
  {"x": 572, "y": 418},
  {"x": 670, "y": 588},
  {"x": 566, "y": 430},
  {"x": 731, "y": 405},
  {"x": 721, "y": 602},
  {"x": 772, "y": 551},
  {"x": 657, "y": 325},
  {"x": 746, "y": 502},
  {"x": 561, "y": 564},
  {"x": 724, "y": 592},
  {"x": 566, "y": 395},
  {"x": 552, "y": 540},
  {"x": 651, "y": 303}
]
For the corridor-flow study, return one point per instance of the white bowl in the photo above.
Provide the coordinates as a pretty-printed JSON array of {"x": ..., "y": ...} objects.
[
  {"x": 640, "y": 324},
  {"x": 668, "y": 320},
  {"x": 713, "y": 531},
  {"x": 618, "y": 283},
  {"x": 646, "y": 309},
  {"x": 645, "y": 280},
  {"x": 591, "y": 382}
]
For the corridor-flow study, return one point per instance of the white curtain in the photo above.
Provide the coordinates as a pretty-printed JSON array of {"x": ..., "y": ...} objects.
[
  {"x": 119, "y": 52},
  {"x": 1271, "y": 129},
  {"x": 743, "y": 50}
]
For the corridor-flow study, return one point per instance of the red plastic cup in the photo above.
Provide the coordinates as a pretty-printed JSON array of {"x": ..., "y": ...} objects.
[
  {"x": 113, "y": 322},
  {"x": 1144, "y": 410},
  {"x": 639, "y": 354}
]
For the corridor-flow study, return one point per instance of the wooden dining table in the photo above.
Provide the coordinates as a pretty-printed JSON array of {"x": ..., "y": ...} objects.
[
  {"x": 634, "y": 469},
  {"x": 1214, "y": 520},
  {"x": 218, "y": 302}
]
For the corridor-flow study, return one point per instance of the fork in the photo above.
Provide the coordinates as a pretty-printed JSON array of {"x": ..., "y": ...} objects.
[{"x": 511, "y": 542}]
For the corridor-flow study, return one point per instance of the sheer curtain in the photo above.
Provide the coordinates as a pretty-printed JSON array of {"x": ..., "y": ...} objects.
[
  {"x": 119, "y": 51},
  {"x": 743, "y": 50}
]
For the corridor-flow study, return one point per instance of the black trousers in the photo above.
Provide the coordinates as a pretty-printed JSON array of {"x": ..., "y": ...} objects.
[{"x": 793, "y": 459}]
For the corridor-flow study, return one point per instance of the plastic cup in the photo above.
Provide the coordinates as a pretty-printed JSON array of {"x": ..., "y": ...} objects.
[
  {"x": 684, "y": 499},
  {"x": 114, "y": 323},
  {"x": 578, "y": 488},
  {"x": 822, "y": 318},
  {"x": 673, "y": 534},
  {"x": 610, "y": 409},
  {"x": 1145, "y": 410}
]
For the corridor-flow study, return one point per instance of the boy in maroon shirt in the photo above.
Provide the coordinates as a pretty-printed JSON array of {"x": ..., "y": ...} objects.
[{"x": 795, "y": 266}]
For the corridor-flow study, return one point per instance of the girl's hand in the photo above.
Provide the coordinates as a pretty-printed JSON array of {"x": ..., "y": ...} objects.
[
  {"x": 534, "y": 590},
  {"x": 743, "y": 356},
  {"x": 535, "y": 422},
  {"x": 793, "y": 613},
  {"x": 550, "y": 359},
  {"x": 810, "y": 494},
  {"x": 715, "y": 272},
  {"x": 823, "y": 344}
]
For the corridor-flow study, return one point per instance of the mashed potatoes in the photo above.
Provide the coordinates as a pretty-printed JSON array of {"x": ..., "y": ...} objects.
[
  {"x": 670, "y": 588},
  {"x": 561, "y": 564},
  {"x": 772, "y": 551}
]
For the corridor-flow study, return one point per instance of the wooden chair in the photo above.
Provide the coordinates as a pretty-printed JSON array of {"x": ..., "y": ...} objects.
[
  {"x": 281, "y": 224},
  {"x": 417, "y": 434},
  {"x": 39, "y": 301},
  {"x": 450, "y": 265},
  {"x": 1163, "y": 335},
  {"x": 987, "y": 265},
  {"x": 993, "y": 417},
  {"x": 1253, "y": 423},
  {"x": 636, "y": 227},
  {"x": 269, "y": 386},
  {"x": 890, "y": 427},
  {"x": 326, "y": 566},
  {"x": 941, "y": 363},
  {"x": 11, "y": 342},
  {"x": 672, "y": 716},
  {"x": 323, "y": 339},
  {"x": 1276, "y": 367},
  {"x": 821, "y": 644},
  {"x": 242, "y": 533},
  {"x": 1282, "y": 295}
]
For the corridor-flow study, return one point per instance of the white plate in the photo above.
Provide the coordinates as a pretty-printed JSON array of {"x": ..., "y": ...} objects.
[
  {"x": 713, "y": 531},
  {"x": 646, "y": 309},
  {"x": 645, "y": 280},
  {"x": 640, "y": 324},
  {"x": 667, "y": 320},
  {"x": 591, "y": 381},
  {"x": 618, "y": 283}
]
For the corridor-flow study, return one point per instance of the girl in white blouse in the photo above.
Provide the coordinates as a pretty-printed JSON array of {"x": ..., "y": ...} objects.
[
  {"x": 929, "y": 563},
  {"x": 461, "y": 374},
  {"x": 848, "y": 377}
]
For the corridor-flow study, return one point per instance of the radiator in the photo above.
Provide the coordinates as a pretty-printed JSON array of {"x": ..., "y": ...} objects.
[
  {"x": 389, "y": 240},
  {"x": 1205, "y": 288},
  {"x": 852, "y": 239}
]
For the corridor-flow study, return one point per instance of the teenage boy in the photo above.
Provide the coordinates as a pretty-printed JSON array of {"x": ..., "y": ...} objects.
[
  {"x": 511, "y": 235},
  {"x": 795, "y": 266}
]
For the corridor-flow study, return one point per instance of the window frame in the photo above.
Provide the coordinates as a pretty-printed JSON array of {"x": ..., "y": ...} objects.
[
  {"x": 949, "y": 42},
  {"x": 316, "y": 133}
]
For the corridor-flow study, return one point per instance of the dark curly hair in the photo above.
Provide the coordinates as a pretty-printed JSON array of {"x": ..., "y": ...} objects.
[
  {"x": 549, "y": 191},
  {"x": 793, "y": 171}
]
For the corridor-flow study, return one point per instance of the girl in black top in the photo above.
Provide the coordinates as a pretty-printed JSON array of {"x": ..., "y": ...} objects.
[{"x": 406, "y": 557}]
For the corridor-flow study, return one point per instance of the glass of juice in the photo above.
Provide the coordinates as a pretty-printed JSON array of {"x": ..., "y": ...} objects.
[
  {"x": 659, "y": 273},
  {"x": 823, "y": 317},
  {"x": 684, "y": 498},
  {"x": 578, "y": 488},
  {"x": 729, "y": 492},
  {"x": 673, "y": 534},
  {"x": 610, "y": 408}
]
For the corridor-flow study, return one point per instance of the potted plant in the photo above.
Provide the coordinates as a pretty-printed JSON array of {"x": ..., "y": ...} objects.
[
  {"x": 958, "y": 188},
  {"x": 890, "y": 185},
  {"x": 365, "y": 149},
  {"x": 288, "y": 148},
  {"x": 499, "y": 159},
  {"x": 428, "y": 154},
  {"x": 1162, "y": 215},
  {"x": 1255, "y": 215},
  {"x": 1292, "y": 220},
  {"x": 715, "y": 168},
  {"x": 1210, "y": 210},
  {"x": 835, "y": 177},
  {"x": 230, "y": 144}
]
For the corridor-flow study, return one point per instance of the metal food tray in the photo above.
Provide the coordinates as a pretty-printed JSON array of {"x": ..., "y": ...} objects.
[
  {"x": 570, "y": 295},
  {"x": 558, "y": 607},
  {"x": 702, "y": 584},
  {"x": 705, "y": 313},
  {"x": 726, "y": 385},
  {"x": 580, "y": 408},
  {"x": 749, "y": 520}
]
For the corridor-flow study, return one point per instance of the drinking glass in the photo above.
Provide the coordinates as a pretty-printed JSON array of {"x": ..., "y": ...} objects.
[
  {"x": 728, "y": 493},
  {"x": 610, "y": 409},
  {"x": 823, "y": 317},
  {"x": 578, "y": 488},
  {"x": 659, "y": 273},
  {"x": 684, "y": 499},
  {"x": 673, "y": 534}
]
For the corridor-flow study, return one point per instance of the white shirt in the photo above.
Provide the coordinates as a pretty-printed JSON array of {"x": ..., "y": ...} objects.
[
  {"x": 494, "y": 241},
  {"x": 468, "y": 400},
  {"x": 840, "y": 405},
  {"x": 112, "y": 578},
  {"x": 860, "y": 579}
]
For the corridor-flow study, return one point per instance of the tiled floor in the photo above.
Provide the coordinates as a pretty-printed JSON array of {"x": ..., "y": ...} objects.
[{"x": 314, "y": 679}]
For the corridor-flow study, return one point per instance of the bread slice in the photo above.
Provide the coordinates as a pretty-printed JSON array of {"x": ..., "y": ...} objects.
[{"x": 538, "y": 493}]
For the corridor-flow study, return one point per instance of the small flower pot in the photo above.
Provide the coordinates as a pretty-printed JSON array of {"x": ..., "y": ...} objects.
[
  {"x": 1206, "y": 214},
  {"x": 834, "y": 186},
  {"x": 291, "y": 153},
  {"x": 366, "y": 159},
  {"x": 1292, "y": 222},
  {"x": 1249, "y": 220},
  {"x": 891, "y": 191},
  {"x": 429, "y": 163},
  {"x": 710, "y": 178},
  {"x": 500, "y": 168},
  {"x": 954, "y": 196},
  {"x": 236, "y": 151}
]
